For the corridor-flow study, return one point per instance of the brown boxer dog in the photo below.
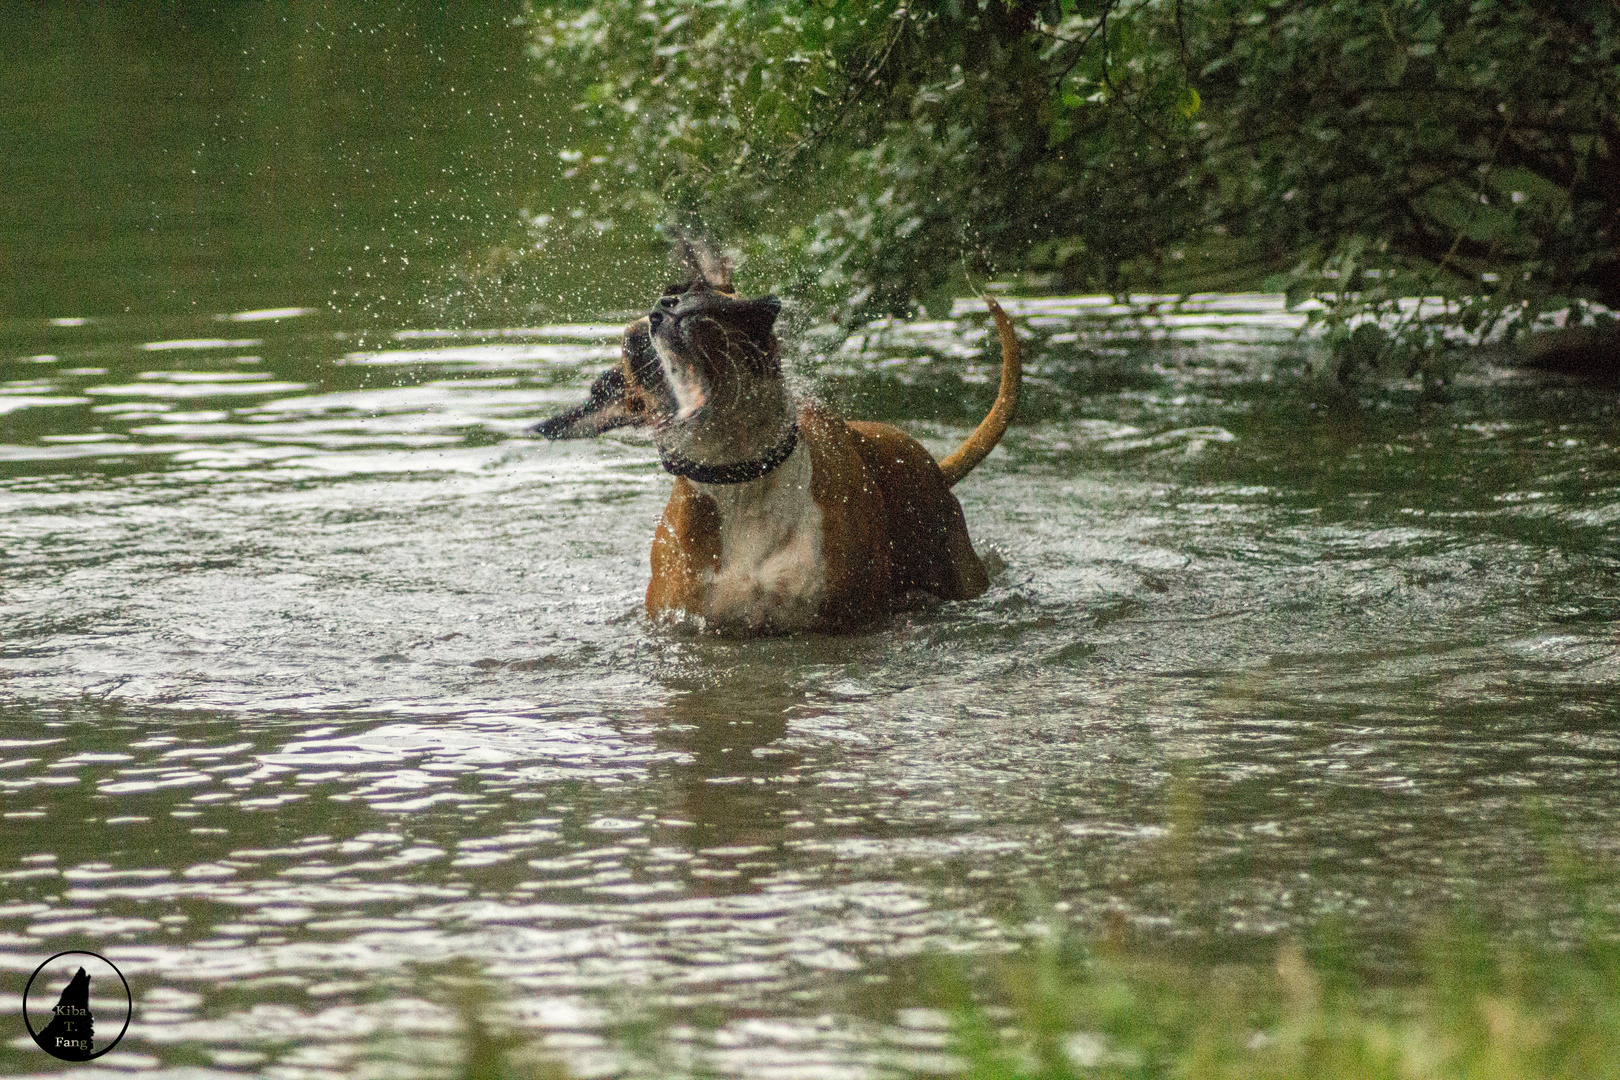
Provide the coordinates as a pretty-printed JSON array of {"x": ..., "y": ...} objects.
[{"x": 783, "y": 516}]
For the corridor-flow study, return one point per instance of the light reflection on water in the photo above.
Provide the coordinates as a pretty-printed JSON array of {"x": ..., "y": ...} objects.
[{"x": 314, "y": 672}]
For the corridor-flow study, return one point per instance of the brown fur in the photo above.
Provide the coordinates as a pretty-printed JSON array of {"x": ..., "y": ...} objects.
[
  {"x": 994, "y": 425},
  {"x": 892, "y": 534},
  {"x": 686, "y": 545}
]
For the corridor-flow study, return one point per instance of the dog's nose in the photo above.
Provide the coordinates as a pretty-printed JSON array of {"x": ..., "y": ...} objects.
[{"x": 666, "y": 305}]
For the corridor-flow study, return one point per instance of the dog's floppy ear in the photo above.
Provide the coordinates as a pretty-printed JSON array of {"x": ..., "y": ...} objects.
[
  {"x": 762, "y": 313},
  {"x": 607, "y": 408},
  {"x": 699, "y": 261},
  {"x": 625, "y": 395}
]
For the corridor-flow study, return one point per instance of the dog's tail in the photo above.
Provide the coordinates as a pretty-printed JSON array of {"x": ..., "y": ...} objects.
[{"x": 994, "y": 425}]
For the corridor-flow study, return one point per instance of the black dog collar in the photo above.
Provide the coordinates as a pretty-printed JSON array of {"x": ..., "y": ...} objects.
[{"x": 738, "y": 472}]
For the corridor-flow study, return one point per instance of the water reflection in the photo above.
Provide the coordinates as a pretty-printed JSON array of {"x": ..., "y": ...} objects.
[
  {"x": 733, "y": 788},
  {"x": 164, "y": 155}
]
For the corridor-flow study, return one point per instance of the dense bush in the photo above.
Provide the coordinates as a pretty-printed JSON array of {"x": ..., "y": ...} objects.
[{"x": 863, "y": 152}]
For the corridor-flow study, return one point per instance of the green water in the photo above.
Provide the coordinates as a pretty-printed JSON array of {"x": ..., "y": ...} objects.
[{"x": 316, "y": 674}]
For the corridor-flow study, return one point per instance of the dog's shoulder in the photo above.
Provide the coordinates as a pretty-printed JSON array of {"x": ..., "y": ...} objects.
[{"x": 835, "y": 459}]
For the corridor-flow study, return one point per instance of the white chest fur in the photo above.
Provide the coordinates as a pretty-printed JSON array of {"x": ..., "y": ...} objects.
[{"x": 771, "y": 574}]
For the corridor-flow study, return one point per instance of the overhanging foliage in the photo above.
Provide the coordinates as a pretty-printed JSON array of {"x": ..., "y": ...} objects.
[{"x": 862, "y": 152}]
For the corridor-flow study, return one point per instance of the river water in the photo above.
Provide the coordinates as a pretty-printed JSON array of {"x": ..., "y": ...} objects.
[{"x": 319, "y": 678}]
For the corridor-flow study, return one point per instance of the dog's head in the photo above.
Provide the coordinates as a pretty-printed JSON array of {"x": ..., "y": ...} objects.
[
  {"x": 713, "y": 347},
  {"x": 702, "y": 343}
]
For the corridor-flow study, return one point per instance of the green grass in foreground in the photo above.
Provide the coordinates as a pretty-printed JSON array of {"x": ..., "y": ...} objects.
[
  {"x": 1481, "y": 1011},
  {"x": 1065, "y": 1008},
  {"x": 1057, "y": 1011},
  {"x": 1482, "y": 1007}
]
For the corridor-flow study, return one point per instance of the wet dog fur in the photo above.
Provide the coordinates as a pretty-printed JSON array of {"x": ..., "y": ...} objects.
[{"x": 783, "y": 517}]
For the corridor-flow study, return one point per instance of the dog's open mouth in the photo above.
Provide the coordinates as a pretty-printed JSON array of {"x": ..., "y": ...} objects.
[
  {"x": 690, "y": 397},
  {"x": 684, "y": 377}
]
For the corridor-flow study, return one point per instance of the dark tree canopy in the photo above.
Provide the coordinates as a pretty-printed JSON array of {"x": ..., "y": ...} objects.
[{"x": 862, "y": 152}]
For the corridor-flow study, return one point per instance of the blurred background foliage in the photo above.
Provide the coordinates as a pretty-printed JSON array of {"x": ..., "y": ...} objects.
[{"x": 863, "y": 155}]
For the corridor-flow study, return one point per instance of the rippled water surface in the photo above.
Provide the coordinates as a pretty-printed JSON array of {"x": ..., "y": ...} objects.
[
  {"x": 323, "y": 685},
  {"x": 317, "y": 673}
]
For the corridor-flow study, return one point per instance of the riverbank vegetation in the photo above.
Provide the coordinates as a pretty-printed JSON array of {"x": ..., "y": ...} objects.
[
  {"x": 1469, "y": 1002},
  {"x": 863, "y": 154},
  {"x": 1480, "y": 1010},
  {"x": 1062, "y": 1011}
]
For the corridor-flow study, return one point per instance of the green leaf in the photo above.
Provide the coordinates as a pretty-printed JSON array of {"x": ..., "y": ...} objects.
[
  {"x": 1188, "y": 103},
  {"x": 938, "y": 303}
]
